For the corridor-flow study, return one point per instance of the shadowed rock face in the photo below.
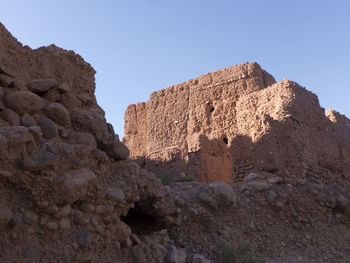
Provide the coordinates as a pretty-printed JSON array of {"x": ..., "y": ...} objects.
[
  {"x": 65, "y": 181},
  {"x": 225, "y": 124}
]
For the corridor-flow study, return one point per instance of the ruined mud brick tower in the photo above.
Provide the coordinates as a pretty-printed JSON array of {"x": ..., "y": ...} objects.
[{"x": 225, "y": 124}]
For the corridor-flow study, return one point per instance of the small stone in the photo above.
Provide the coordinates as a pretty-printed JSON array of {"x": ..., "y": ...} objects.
[
  {"x": 10, "y": 117},
  {"x": 250, "y": 177},
  {"x": 41, "y": 85},
  {"x": 63, "y": 212},
  {"x": 271, "y": 197},
  {"x": 64, "y": 223},
  {"x": 5, "y": 80},
  {"x": 43, "y": 204},
  {"x": 100, "y": 229},
  {"x": 104, "y": 209},
  {"x": 127, "y": 243},
  {"x": 83, "y": 238},
  {"x": 43, "y": 220},
  {"x": 58, "y": 113},
  {"x": 274, "y": 180},
  {"x": 6, "y": 215},
  {"x": 87, "y": 208},
  {"x": 51, "y": 209},
  {"x": 51, "y": 225},
  {"x": 115, "y": 194},
  {"x": 30, "y": 217},
  {"x": 28, "y": 121},
  {"x": 123, "y": 231},
  {"x": 48, "y": 127},
  {"x": 81, "y": 219}
]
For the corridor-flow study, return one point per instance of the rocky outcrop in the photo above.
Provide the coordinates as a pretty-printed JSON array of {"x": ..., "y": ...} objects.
[
  {"x": 226, "y": 124},
  {"x": 67, "y": 188}
]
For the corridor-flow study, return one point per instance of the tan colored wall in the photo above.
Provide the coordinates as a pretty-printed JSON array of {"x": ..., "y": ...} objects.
[{"x": 268, "y": 126}]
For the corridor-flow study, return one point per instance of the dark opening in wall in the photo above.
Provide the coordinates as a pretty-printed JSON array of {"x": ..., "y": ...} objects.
[
  {"x": 212, "y": 109},
  {"x": 142, "y": 223},
  {"x": 225, "y": 140}
]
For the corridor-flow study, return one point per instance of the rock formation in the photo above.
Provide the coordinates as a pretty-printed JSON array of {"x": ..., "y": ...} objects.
[
  {"x": 69, "y": 193},
  {"x": 226, "y": 124},
  {"x": 66, "y": 184}
]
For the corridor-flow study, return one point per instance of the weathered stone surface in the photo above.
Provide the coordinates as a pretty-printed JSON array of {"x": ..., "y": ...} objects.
[
  {"x": 58, "y": 113},
  {"x": 48, "y": 127},
  {"x": 41, "y": 85},
  {"x": 76, "y": 184},
  {"x": 23, "y": 102},
  {"x": 226, "y": 124}
]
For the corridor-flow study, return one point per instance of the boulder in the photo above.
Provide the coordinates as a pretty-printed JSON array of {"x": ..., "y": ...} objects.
[
  {"x": 76, "y": 184},
  {"x": 93, "y": 123},
  {"x": 223, "y": 191},
  {"x": 41, "y": 85},
  {"x": 117, "y": 150},
  {"x": 115, "y": 194},
  {"x": 58, "y": 113},
  {"x": 24, "y": 102}
]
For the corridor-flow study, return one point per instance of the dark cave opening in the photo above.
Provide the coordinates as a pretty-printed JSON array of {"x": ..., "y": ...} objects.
[
  {"x": 225, "y": 140},
  {"x": 142, "y": 223}
]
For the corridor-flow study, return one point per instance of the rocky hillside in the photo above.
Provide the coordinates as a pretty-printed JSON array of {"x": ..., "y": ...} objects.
[{"x": 69, "y": 193}]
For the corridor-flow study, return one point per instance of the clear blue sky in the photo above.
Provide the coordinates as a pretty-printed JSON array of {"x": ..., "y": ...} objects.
[{"x": 138, "y": 47}]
